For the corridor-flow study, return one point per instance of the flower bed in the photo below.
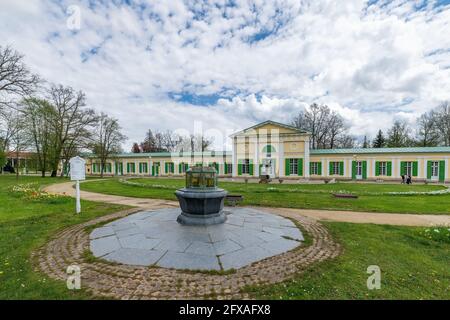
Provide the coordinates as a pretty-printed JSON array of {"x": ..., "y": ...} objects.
[{"x": 32, "y": 192}]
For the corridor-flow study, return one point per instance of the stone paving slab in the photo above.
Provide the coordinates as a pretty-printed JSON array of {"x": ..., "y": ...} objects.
[
  {"x": 155, "y": 237},
  {"x": 181, "y": 260},
  {"x": 102, "y": 246},
  {"x": 134, "y": 256}
]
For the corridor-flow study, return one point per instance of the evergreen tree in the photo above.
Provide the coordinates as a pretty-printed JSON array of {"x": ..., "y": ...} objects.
[
  {"x": 379, "y": 141},
  {"x": 366, "y": 143},
  {"x": 135, "y": 148}
]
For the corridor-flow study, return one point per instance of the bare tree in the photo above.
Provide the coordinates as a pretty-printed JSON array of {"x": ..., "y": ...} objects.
[
  {"x": 399, "y": 135},
  {"x": 327, "y": 128},
  {"x": 107, "y": 139},
  {"x": 71, "y": 119},
  {"x": 38, "y": 115},
  {"x": 11, "y": 133},
  {"x": 427, "y": 131},
  {"x": 19, "y": 140},
  {"x": 442, "y": 114},
  {"x": 15, "y": 78}
]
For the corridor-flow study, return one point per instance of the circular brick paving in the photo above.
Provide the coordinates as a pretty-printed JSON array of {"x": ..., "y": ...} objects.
[{"x": 104, "y": 279}]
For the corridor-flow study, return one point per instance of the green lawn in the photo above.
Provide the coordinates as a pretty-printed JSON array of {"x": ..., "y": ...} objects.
[
  {"x": 310, "y": 196},
  {"x": 27, "y": 224},
  {"x": 413, "y": 266},
  {"x": 414, "y": 263}
]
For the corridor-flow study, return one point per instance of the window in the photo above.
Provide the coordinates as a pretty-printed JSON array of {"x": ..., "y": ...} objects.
[
  {"x": 293, "y": 166},
  {"x": 382, "y": 168},
  {"x": 169, "y": 167},
  {"x": 107, "y": 168},
  {"x": 335, "y": 168},
  {"x": 131, "y": 168},
  {"x": 143, "y": 167},
  {"x": 183, "y": 167},
  {"x": 314, "y": 168},
  {"x": 229, "y": 167},
  {"x": 435, "y": 169},
  {"x": 246, "y": 166},
  {"x": 408, "y": 168}
]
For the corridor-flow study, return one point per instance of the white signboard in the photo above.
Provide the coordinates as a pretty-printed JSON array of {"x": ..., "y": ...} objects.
[
  {"x": 77, "y": 169},
  {"x": 77, "y": 173}
]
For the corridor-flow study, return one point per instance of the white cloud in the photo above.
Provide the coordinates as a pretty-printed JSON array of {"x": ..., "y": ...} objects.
[{"x": 370, "y": 63}]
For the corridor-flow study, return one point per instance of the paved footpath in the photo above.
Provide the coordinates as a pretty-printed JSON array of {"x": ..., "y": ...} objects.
[{"x": 398, "y": 219}]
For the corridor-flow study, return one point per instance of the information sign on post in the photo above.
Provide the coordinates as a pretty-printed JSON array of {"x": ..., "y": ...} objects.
[{"x": 77, "y": 173}]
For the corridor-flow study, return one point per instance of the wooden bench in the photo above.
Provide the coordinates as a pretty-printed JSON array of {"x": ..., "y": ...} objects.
[
  {"x": 345, "y": 195},
  {"x": 233, "y": 199}
]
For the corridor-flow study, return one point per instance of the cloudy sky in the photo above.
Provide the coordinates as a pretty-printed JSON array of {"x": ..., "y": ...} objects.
[{"x": 230, "y": 64}]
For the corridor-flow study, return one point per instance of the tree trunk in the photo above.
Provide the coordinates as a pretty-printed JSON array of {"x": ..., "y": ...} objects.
[{"x": 17, "y": 168}]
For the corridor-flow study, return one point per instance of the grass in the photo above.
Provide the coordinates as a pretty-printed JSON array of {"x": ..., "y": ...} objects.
[
  {"x": 414, "y": 261},
  {"x": 413, "y": 266},
  {"x": 27, "y": 224},
  {"x": 306, "y": 196}
]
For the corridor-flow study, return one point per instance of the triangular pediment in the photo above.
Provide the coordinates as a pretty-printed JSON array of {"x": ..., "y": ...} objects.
[{"x": 270, "y": 127}]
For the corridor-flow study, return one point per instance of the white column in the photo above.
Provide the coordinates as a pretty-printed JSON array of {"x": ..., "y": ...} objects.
[
  {"x": 394, "y": 168},
  {"x": 425, "y": 168},
  {"x": 345, "y": 168},
  {"x": 149, "y": 164},
  {"x": 399, "y": 169},
  {"x": 327, "y": 166},
  {"x": 113, "y": 167},
  {"x": 162, "y": 168},
  {"x": 324, "y": 166},
  {"x": 256, "y": 160},
  {"x": 373, "y": 167},
  {"x": 280, "y": 158},
  {"x": 446, "y": 169},
  {"x": 234, "y": 158},
  {"x": 306, "y": 160},
  {"x": 136, "y": 167}
]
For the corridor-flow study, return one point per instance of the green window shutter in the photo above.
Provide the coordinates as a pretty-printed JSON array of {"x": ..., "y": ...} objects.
[
  {"x": 300, "y": 167},
  {"x": 260, "y": 166},
  {"x": 250, "y": 167},
  {"x": 225, "y": 168},
  {"x": 441, "y": 171},
  {"x": 179, "y": 167},
  {"x": 319, "y": 168},
  {"x": 415, "y": 168},
  {"x": 353, "y": 170},
  {"x": 364, "y": 169},
  {"x": 377, "y": 168},
  {"x": 240, "y": 167},
  {"x": 341, "y": 168},
  {"x": 153, "y": 169},
  {"x": 287, "y": 169},
  {"x": 403, "y": 168},
  {"x": 429, "y": 164},
  {"x": 330, "y": 169},
  {"x": 389, "y": 168},
  {"x": 310, "y": 168}
]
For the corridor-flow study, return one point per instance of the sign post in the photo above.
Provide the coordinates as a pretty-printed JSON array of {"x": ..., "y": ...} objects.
[{"x": 77, "y": 173}]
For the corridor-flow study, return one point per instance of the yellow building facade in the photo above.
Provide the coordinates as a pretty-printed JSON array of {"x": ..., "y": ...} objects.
[{"x": 281, "y": 151}]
